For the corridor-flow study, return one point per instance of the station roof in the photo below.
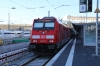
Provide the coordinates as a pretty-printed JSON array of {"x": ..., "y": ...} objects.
[{"x": 94, "y": 23}]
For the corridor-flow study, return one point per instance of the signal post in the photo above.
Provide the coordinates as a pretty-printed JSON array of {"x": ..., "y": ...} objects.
[{"x": 86, "y": 6}]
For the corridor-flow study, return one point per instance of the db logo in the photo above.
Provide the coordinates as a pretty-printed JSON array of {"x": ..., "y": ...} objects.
[{"x": 42, "y": 36}]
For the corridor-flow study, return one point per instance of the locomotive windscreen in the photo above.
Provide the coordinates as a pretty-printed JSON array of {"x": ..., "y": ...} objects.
[{"x": 40, "y": 25}]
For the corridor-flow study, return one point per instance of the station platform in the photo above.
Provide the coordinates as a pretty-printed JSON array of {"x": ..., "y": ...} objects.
[{"x": 75, "y": 54}]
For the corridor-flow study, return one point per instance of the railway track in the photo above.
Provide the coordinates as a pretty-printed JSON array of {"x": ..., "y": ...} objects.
[
  {"x": 28, "y": 59},
  {"x": 38, "y": 61},
  {"x": 10, "y": 56}
]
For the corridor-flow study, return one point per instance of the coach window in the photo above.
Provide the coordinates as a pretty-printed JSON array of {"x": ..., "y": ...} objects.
[
  {"x": 6, "y": 33},
  {"x": 18, "y": 33},
  {"x": 26, "y": 33}
]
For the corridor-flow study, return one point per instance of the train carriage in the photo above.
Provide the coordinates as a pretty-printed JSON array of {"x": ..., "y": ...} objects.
[
  {"x": 5, "y": 34},
  {"x": 48, "y": 34}
]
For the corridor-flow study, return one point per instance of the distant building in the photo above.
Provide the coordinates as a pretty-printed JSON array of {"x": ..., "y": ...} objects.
[
  {"x": 16, "y": 27},
  {"x": 80, "y": 19}
]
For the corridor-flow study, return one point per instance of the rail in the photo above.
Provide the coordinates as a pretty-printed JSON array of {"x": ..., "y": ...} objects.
[{"x": 5, "y": 57}]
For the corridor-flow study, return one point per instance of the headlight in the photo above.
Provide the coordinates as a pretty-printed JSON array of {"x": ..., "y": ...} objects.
[
  {"x": 51, "y": 41},
  {"x": 34, "y": 40},
  {"x": 49, "y": 36},
  {"x": 36, "y": 36}
]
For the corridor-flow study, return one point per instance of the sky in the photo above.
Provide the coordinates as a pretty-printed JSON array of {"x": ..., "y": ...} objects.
[{"x": 27, "y": 10}]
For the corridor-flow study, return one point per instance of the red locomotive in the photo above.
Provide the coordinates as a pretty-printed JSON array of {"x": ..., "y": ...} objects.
[{"x": 48, "y": 34}]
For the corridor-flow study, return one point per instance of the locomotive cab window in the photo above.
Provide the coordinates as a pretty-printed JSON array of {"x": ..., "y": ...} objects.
[
  {"x": 43, "y": 25},
  {"x": 49, "y": 25},
  {"x": 38, "y": 25}
]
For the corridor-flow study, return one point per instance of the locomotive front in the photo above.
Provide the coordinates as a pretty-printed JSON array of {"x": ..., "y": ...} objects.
[{"x": 43, "y": 34}]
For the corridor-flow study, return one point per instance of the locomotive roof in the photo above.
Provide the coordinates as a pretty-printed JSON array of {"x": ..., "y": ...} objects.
[
  {"x": 48, "y": 18},
  {"x": 62, "y": 23},
  {"x": 59, "y": 21}
]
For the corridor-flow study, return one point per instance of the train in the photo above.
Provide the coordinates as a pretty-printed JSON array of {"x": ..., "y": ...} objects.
[
  {"x": 7, "y": 34},
  {"x": 49, "y": 33},
  {"x": 22, "y": 33}
]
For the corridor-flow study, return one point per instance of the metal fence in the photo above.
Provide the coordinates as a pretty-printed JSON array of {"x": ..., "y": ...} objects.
[{"x": 10, "y": 40}]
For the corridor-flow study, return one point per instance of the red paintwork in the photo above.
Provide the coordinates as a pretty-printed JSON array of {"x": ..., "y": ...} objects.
[{"x": 60, "y": 32}]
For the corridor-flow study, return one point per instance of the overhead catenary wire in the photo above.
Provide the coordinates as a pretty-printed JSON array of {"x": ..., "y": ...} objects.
[
  {"x": 24, "y": 7},
  {"x": 39, "y": 7},
  {"x": 53, "y": 7},
  {"x": 61, "y": 9},
  {"x": 61, "y": 6},
  {"x": 36, "y": 5}
]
